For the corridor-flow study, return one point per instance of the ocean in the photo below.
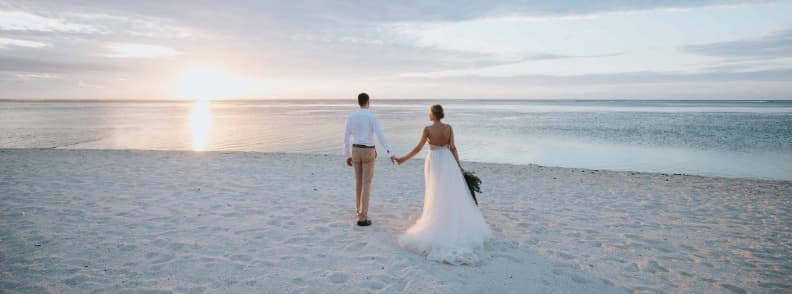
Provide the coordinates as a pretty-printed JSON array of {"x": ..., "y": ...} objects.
[{"x": 745, "y": 139}]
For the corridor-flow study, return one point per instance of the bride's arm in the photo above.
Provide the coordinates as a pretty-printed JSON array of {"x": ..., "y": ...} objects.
[
  {"x": 417, "y": 148},
  {"x": 452, "y": 146}
]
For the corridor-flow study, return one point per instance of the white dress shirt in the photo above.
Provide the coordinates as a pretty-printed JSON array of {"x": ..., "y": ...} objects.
[{"x": 361, "y": 125}]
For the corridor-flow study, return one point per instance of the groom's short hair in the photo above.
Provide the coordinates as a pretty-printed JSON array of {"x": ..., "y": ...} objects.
[{"x": 363, "y": 99}]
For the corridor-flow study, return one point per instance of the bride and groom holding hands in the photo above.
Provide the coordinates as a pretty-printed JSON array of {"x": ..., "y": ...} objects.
[{"x": 451, "y": 227}]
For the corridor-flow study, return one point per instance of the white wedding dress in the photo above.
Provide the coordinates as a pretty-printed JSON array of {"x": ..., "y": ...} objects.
[{"x": 451, "y": 228}]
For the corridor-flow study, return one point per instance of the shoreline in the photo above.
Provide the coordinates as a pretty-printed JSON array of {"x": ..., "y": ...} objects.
[
  {"x": 392, "y": 99},
  {"x": 74, "y": 220},
  {"x": 418, "y": 157}
]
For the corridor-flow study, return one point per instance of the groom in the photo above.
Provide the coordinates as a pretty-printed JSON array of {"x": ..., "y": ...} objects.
[{"x": 361, "y": 126}]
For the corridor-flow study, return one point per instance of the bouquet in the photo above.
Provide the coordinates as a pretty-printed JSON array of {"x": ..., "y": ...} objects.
[{"x": 473, "y": 183}]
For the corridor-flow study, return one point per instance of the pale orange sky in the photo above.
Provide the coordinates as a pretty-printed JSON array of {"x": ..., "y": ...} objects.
[{"x": 412, "y": 49}]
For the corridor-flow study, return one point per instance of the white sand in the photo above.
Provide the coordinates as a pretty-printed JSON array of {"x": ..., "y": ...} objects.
[{"x": 126, "y": 221}]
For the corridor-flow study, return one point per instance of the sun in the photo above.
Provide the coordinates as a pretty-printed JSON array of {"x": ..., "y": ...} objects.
[{"x": 208, "y": 83}]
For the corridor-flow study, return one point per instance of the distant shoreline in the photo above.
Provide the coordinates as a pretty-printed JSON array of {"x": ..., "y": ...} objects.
[
  {"x": 398, "y": 99},
  {"x": 525, "y": 165}
]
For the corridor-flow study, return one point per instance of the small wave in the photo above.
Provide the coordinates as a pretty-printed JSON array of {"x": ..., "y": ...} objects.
[{"x": 752, "y": 101}]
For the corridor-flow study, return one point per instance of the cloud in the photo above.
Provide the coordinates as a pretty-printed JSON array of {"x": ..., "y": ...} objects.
[
  {"x": 6, "y": 42},
  {"x": 776, "y": 45},
  {"x": 133, "y": 26},
  {"x": 24, "y": 21},
  {"x": 84, "y": 84},
  {"x": 573, "y": 10},
  {"x": 496, "y": 61},
  {"x": 417, "y": 10},
  {"x": 140, "y": 51},
  {"x": 87, "y": 24},
  {"x": 784, "y": 74},
  {"x": 15, "y": 64},
  {"x": 317, "y": 13},
  {"x": 314, "y": 40},
  {"x": 32, "y": 76},
  {"x": 781, "y": 75}
]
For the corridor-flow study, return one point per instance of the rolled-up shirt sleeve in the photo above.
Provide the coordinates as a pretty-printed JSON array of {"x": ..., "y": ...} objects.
[
  {"x": 347, "y": 134},
  {"x": 381, "y": 135}
]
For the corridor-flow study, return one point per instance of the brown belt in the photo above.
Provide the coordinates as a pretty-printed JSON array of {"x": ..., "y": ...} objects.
[{"x": 361, "y": 146}]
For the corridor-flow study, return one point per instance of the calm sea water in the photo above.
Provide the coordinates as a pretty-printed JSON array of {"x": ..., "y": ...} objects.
[{"x": 717, "y": 138}]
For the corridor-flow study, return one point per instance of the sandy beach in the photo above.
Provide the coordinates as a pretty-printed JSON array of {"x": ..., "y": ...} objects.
[{"x": 80, "y": 221}]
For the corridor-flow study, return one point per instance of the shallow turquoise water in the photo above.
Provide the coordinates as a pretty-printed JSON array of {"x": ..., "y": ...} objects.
[{"x": 716, "y": 138}]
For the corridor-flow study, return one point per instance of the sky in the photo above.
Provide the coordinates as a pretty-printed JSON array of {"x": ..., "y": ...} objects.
[{"x": 468, "y": 49}]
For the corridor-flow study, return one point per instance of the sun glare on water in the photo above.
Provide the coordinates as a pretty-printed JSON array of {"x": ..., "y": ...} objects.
[
  {"x": 200, "y": 124},
  {"x": 202, "y": 84}
]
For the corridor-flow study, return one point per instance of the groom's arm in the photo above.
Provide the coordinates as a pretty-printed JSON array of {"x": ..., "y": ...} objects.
[
  {"x": 381, "y": 136},
  {"x": 347, "y": 134}
]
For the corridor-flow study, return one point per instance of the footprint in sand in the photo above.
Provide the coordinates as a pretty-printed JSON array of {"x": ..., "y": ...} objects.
[
  {"x": 564, "y": 255},
  {"x": 196, "y": 290},
  {"x": 338, "y": 225},
  {"x": 177, "y": 246},
  {"x": 240, "y": 257},
  {"x": 357, "y": 246},
  {"x": 76, "y": 280},
  {"x": 338, "y": 278},
  {"x": 632, "y": 268},
  {"x": 578, "y": 279},
  {"x": 154, "y": 291},
  {"x": 654, "y": 267},
  {"x": 374, "y": 285},
  {"x": 370, "y": 259},
  {"x": 127, "y": 248},
  {"x": 688, "y": 248},
  {"x": 163, "y": 259},
  {"x": 507, "y": 257}
]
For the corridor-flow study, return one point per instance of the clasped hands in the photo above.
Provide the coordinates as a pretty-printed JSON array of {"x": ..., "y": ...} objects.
[{"x": 397, "y": 160}]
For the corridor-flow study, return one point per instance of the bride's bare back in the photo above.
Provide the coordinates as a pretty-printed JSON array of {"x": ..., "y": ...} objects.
[
  {"x": 436, "y": 134},
  {"x": 439, "y": 134}
]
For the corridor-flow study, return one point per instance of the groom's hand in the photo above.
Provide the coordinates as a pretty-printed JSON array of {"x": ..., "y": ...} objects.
[
  {"x": 349, "y": 161},
  {"x": 393, "y": 159}
]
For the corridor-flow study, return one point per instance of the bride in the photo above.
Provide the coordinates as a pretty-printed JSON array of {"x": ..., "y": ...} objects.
[{"x": 451, "y": 228}]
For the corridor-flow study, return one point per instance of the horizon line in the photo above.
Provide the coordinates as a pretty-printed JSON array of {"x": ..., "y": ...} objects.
[{"x": 44, "y": 100}]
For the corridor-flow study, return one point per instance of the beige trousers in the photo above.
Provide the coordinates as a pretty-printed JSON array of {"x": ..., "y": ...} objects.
[{"x": 363, "y": 161}]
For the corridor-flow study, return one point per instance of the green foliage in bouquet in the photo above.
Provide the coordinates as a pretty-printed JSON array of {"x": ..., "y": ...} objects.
[{"x": 473, "y": 183}]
